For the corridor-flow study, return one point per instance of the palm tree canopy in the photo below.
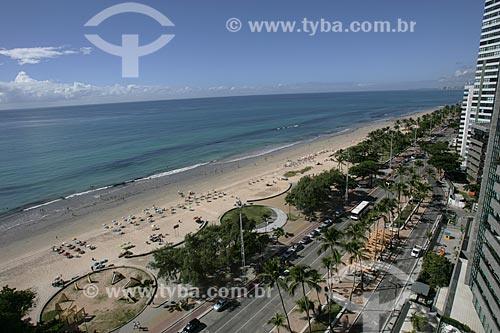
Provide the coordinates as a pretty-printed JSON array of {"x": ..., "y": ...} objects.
[
  {"x": 356, "y": 231},
  {"x": 304, "y": 304},
  {"x": 331, "y": 239},
  {"x": 278, "y": 320},
  {"x": 301, "y": 275},
  {"x": 272, "y": 270},
  {"x": 332, "y": 261}
]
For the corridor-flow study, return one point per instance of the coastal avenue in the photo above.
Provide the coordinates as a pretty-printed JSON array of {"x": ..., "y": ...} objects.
[{"x": 252, "y": 314}]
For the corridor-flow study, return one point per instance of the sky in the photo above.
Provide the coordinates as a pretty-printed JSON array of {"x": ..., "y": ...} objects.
[{"x": 45, "y": 58}]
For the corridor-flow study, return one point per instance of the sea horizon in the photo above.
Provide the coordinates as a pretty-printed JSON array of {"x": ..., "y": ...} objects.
[
  {"x": 75, "y": 150},
  {"x": 28, "y": 106}
]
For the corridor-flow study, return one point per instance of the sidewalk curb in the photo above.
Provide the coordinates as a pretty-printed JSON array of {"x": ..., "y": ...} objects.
[{"x": 206, "y": 312}]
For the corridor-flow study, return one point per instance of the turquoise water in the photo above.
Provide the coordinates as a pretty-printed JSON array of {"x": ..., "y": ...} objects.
[{"x": 53, "y": 152}]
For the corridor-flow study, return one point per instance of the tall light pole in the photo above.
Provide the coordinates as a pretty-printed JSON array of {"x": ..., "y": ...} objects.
[
  {"x": 390, "y": 154},
  {"x": 347, "y": 178},
  {"x": 240, "y": 204}
]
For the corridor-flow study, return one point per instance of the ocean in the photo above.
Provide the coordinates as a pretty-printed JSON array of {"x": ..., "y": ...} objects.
[{"x": 51, "y": 153}]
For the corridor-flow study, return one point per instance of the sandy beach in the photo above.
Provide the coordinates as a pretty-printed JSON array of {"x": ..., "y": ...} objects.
[{"x": 28, "y": 261}]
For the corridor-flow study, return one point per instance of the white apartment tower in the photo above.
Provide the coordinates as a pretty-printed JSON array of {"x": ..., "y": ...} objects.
[
  {"x": 465, "y": 123},
  {"x": 486, "y": 77}
]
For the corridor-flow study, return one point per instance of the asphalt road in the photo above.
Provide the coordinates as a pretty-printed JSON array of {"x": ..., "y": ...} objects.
[
  {"x": 251, "y": 314},
  {"x": 379, "y": 307}
]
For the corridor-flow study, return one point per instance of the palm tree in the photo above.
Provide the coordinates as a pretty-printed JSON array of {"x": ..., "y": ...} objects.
[
  {"x": 397, "y": 125},
  {"x": 331, "y": 239},
  {"x": 418, "y": 321},
  {"x": 377, "y": 214},
  {"x": 387, "y": 206},
  {"x": 422, "y": 189},
  {"x": 278, "y": 232},
  {"x": 301, "y": 275},
  {"x": 272, "y": 276},
  {"x": 357, "y": 254},
  {"x": 387, "y": 187},
  {"x": 331, "y": 262},
  {"x": 401, "y": 189},
  {"x": 351, "y": 248},
  {"x": 304, "y": 304},
  {"x": 356, "y": 232},
  {"x": 341, "y": 157},
  {"x": 278, "y": 320},
  {"x": 317, "y": 279}
]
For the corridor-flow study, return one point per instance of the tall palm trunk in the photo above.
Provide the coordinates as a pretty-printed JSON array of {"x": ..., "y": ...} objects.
[
  {"x": 353, "y": 286},
  {"x": 383, "y": 234},
  {"x": 307, "y": 307},
  {"x": 361, "y": 272},
  {"x": 284, "y": 309},
  {"x": 399, "y": 211},
  {"x": 330, "y": 299}
]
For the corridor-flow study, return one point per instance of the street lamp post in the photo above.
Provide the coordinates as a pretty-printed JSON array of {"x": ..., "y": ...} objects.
[
  {"x": 415, "y": 138},
  {"x": 347, "y": 179},
  {"x": 390, "y": 155},
  {"x": 240, "y": 204}
]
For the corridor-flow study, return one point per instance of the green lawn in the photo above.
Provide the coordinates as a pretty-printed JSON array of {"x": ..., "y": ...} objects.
[{"x": 255, "y": 213}]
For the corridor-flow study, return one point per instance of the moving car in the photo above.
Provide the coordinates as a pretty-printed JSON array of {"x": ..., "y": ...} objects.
[
  {"x": 285, "y": 274},
  {"x": 193, "y": 326},
  {"x": 221, "y": 304},
  {"x": 416, "y": 251}
]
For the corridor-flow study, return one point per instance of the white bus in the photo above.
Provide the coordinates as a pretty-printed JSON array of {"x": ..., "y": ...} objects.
[{"x": 360, "y": 210}]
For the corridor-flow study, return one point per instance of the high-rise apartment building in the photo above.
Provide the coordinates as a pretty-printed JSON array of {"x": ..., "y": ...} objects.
[
  {"x": 465, "y": 121},
  {"x": 478, "y": 107},
  {"x": 484, "y": 278},
  {"x": 485, "y": 273}
]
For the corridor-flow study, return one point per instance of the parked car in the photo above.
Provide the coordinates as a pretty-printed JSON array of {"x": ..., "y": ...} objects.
[
  {"x": 305, "y": 240},
  {"x": 328, "y": 222},
  {"x": 314, "y": 233},
  {"x": 297, "y": 247},
  {"x": 416, "y": 251}
]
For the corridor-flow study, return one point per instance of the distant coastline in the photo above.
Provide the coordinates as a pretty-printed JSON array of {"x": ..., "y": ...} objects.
[
  {"x": 27, "y": 237},
  {"x": 110, "y": 195},
  {"x": 286, "y": 136}
]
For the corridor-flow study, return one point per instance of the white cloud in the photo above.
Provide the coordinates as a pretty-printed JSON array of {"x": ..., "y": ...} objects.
[
  {"x": 464, "y": 72},
  {"x": 85, "y": 50},
  {"x": 25, "y": 91},
  {"x": 460, "y": 77},
  {"x": 34, "y": 55}
]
